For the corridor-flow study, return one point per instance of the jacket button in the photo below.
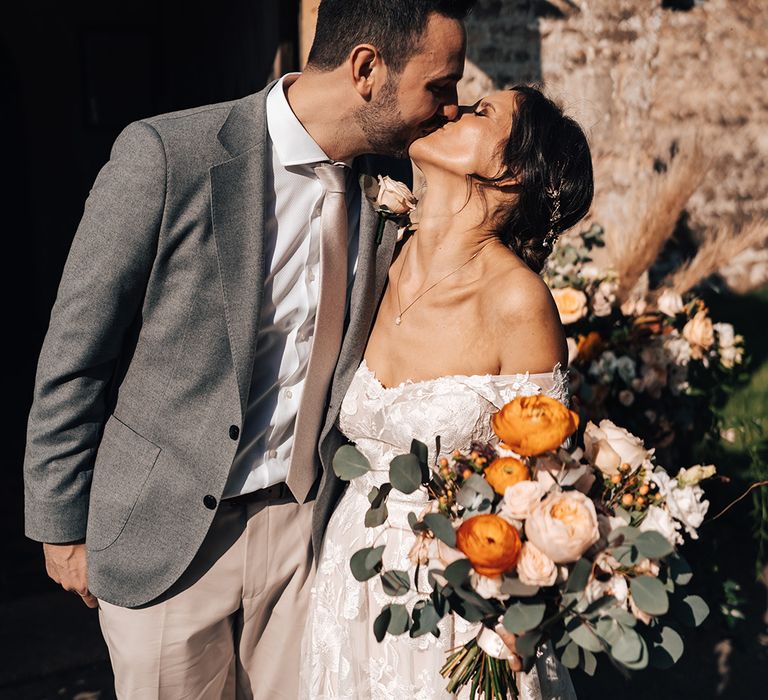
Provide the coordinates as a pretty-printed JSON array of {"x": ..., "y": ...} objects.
[
  {"x": 234, "y": 432},
  {"x": 209, "y": 502}
]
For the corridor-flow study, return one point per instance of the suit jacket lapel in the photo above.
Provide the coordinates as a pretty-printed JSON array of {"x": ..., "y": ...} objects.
[{"x": 237, "y": 211}]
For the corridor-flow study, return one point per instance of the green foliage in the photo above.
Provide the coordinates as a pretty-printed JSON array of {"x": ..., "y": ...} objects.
[
  {"x": 366, "y": 563},
  {"x": 349, "y": 463},
  {"x": 405, "y": 473}
]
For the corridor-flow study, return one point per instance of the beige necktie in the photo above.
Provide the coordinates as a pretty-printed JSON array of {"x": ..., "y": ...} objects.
[{"x": 329, "y": 326}]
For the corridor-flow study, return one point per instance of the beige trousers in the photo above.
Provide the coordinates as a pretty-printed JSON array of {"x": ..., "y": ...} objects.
[{"x": 231, "y": 626}]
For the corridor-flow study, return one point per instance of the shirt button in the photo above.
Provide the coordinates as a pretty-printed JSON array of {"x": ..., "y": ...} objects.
[
  {"x": 288, "y": 394},
  {"x": 311, "y": 276},
  {"x": 234, "y": 432},
  {"x": 209, "y": 502},
  {"x": 272, "y": 454}
]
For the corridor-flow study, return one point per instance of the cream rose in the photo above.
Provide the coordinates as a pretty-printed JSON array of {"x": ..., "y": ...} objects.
[
  {"x": 389, "y": 195},
  {"x": 608, "y": 446},
  {"x": 700, "y": 334},
  {"x": 658, "y": 520},
  {"x": 563, "y": 526},
  {"x": 670, "y": 303},
  {"x": 534, "y": 568},
  {"x": 520, "y": 499},
  {"x": 571, "y": 304}
]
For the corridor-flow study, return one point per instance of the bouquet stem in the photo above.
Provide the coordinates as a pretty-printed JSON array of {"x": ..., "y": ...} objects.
[{"x": 492, "y": 678}]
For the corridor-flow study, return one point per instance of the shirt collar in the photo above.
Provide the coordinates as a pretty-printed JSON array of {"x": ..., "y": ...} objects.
[{"x": 293, "y": 144}]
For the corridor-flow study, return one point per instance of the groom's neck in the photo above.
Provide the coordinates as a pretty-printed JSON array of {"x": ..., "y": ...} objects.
[{"x": 324, "y": 104}]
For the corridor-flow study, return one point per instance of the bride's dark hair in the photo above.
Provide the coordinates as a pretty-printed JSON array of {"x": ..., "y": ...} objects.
[{"x": 547, "y": 158}]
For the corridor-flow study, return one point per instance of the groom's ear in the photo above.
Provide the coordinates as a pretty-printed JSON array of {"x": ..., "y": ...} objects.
[{"x": 368, "y": 69}]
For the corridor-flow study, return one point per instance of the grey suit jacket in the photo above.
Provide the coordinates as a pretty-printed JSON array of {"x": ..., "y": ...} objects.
[{"x": 150, "y": 349}]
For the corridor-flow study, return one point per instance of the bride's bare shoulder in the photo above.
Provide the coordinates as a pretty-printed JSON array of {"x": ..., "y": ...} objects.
[{"x": 524, "y": 312}]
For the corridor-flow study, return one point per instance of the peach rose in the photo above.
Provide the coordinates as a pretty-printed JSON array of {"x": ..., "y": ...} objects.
[
  {"x": 609, "y": 446},
  {"x": 504, "y": 472},
  {"x": 571, "y": 304},
  {"x": 700, "y": 334},
  {"x": 531, "y": 425},
  {"x": 563, "y": 526},
  {"x": 490, "y": 543},
  {"x": 389, "y": 195},
  {"x": 534, "y": 568}
]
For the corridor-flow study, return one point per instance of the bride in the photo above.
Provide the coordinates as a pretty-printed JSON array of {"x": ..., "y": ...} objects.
[{"x": 465, "y": 324}]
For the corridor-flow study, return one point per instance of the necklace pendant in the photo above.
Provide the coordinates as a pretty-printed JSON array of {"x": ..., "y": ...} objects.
[{"x": 398, "y": 320}]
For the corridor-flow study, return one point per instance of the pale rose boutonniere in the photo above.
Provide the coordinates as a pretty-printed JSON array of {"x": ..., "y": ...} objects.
[{"x": 390, "y": 199}]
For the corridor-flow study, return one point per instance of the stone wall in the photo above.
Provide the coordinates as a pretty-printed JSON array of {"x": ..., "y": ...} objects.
[{"x": 644, "y": 80}]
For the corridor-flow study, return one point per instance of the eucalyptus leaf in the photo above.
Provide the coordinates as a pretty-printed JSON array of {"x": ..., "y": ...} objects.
[
  {"x": 349, "y": 463},
  {"x": 623, "y": 514},
  {"x": 442, "y": 528},
  {"x": 521, "y": 617},
  {"x": 624, "y": 535},
  {"x": 365, "y": 563},
  {"x": 649, "y": 595},
  {"x": 463, "y": 608},
  {"x": 381, "y": 623},
  {"x": 642, "y": 662},
  {"x": 526, "y": 646},
  {"x": 399, "y": 619},
  {"x": 692, "y": 610},
  {"x": 457, "y": 573},
  {"x": 475, "y": 493},
  {"x": 579, "y": 577},
  {"x": 570, "y": 656},
  {"x": 609, "y": 630},
  {"x": 515, "y": 587},
  {"x": 628, "y": 648},
  {"x": 588, "y": 662},
  {"x": 667, "y": 650},
  {"x": 680, "y": 571},
  {"x": 378, "y": 496},
  {"x": 405, "y": 473},
  {"x": 395, "y": 583},
  {"x": 425, "y": 619},
  {"x": 420, "y": 451},
  {"x": 653, "y": 545},
  {"x": 622, "y": 616},
  {"x": 584, "y": 635},
  {"x": 374, "y": 517},
  {"x": 373, "y": 558},
  {"x": 626, "y": 554}
]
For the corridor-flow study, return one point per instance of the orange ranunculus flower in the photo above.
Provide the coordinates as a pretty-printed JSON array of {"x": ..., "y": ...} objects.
[
  {"x": 589, "y": 346},
  {"x": 532, "y": 425},
  {"x": 506, "y": 471},
  {"x": 490, "y": 543}
]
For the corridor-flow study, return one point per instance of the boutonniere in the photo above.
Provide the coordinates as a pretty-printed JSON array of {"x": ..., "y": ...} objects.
[{"x": 391, "y": 200}]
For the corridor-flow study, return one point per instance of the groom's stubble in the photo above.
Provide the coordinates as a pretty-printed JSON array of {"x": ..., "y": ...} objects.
[{"x": 382, "y": 123}]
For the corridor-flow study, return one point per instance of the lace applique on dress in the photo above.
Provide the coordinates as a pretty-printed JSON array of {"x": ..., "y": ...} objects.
[{"x": 341, "y": 657}]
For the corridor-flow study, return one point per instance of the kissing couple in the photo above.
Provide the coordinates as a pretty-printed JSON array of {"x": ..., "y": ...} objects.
[{"x": 230, "y": 314}]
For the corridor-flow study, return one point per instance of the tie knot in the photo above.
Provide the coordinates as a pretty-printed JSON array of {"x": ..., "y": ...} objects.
[{"x": 333, "y": 176}]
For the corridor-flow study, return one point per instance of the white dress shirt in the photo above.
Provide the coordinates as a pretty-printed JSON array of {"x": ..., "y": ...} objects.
[{"x": 293, "y": 199}]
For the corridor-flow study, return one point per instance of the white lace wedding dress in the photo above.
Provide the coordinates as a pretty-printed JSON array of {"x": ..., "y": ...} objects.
[{"x": 340, "y": 657}]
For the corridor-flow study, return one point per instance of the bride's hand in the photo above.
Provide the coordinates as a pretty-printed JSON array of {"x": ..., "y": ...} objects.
[{"x": 515, "y": 663}]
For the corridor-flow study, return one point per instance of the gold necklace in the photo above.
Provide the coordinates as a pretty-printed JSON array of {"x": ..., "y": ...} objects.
[{"x": 401, "y": 310}]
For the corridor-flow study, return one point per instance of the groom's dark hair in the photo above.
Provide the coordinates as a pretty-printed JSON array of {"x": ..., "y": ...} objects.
[{"x": 394, "y": 27}]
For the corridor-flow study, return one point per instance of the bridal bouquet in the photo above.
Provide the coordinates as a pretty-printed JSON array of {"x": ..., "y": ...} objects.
[{"x": 577, "y": 548}]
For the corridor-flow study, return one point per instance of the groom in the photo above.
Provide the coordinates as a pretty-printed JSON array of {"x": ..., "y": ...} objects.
[{"x": 178, "y": 468}]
